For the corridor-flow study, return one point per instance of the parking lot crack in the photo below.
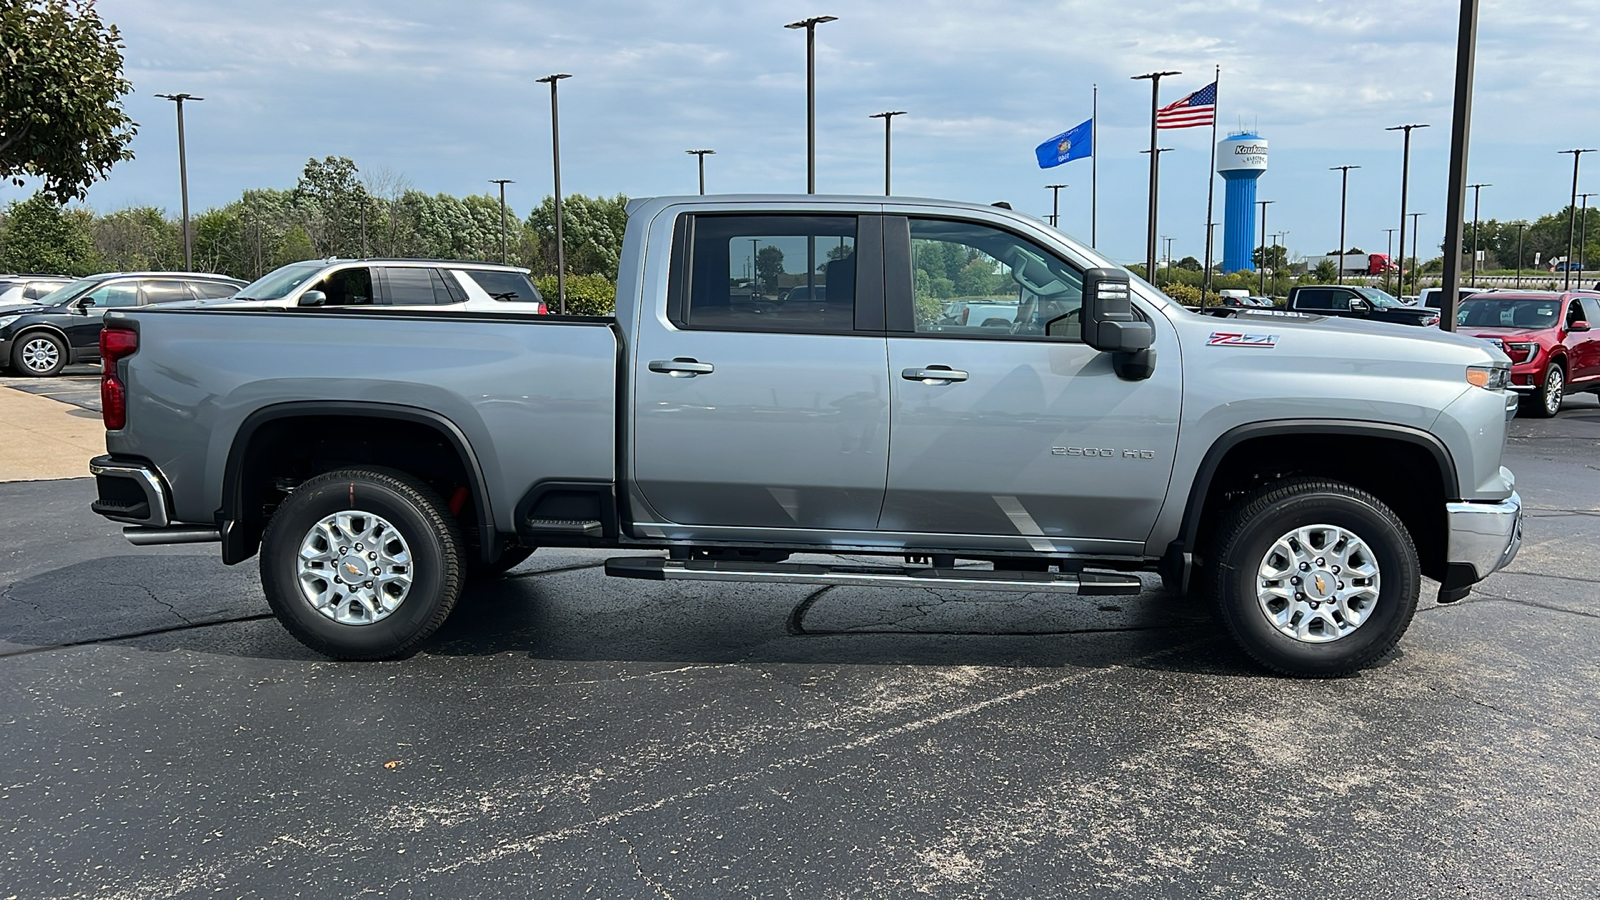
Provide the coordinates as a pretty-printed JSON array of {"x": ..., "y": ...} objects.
[
  {"x": 7, "y": 595},
  {"x": 152, "y": 595},
  {"x": 638, "y": 867}
]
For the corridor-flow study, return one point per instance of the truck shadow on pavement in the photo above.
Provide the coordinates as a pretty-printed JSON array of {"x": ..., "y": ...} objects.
[{"x": 573, "y": 613}]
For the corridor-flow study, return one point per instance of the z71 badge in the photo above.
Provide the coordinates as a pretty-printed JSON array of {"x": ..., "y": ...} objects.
[{"x": 1233, "y": 339}]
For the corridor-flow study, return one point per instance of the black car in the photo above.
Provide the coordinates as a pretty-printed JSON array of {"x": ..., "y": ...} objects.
[
  {"x": 1353, "y": 302},
  {"x": 63, "y": 327}
]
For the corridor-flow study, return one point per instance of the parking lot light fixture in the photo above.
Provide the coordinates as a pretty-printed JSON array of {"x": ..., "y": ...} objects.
[
  {"x": 502, "y": 182},
  {"x": 1477, "y": 191},
  {"x": 555, "y": 157},
  {"x": 702, "y": 154},
  {"x": 1055, "y": 203},
  {"x": 1155, "y": 168},
  {"x": 887, "y": 117},
  {"x": 1405, "y": 179},
  {"x": 1572, "y": 210},
  {"x": 1344, "y": 193},
  {"x": 183, "y": 178},
  {"x": 810, "y": 25}
]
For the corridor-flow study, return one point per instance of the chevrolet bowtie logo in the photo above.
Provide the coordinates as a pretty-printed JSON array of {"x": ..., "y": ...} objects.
[
  {"x": 355, "y": 571},
  {"x": 1321, "y": 588}
]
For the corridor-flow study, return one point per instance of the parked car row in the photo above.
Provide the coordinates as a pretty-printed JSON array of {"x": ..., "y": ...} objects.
[{"x": 49, "y": 322}]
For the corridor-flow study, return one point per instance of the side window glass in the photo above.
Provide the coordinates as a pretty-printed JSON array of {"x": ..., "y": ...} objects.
[
  {"x": 513, "y": 287},
  {"x": 972, "y": 280},
  {"x": 38, "y": 289},
  {"x": 1338, "y": 300},
  {"x": 164, "y": 291},
  {"x": 1591, "y": 308},
  {"x": 347, "y": 287},
  {"x": 1574, "y": 310},
  {"x": 211, "y": 290},
  {"x": 411, "y": 286},
  {"x": 116, "y": 295},
  {"x": 773, "y": 273}
]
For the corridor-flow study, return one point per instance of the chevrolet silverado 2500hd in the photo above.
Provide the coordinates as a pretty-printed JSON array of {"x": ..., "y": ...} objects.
[{"x": 1304, "y": 472}]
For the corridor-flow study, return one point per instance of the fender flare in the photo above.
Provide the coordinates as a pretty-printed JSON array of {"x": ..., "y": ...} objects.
[{"x": 238, "y": 545}]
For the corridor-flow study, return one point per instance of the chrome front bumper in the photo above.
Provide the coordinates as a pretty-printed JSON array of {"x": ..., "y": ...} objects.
[{"x": 1484, "y": 538}]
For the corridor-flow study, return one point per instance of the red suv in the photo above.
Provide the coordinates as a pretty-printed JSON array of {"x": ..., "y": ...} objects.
[{"x": 1553, "y": 349}]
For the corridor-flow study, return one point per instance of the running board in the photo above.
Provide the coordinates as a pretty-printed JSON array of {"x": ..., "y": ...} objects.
[{"x": 1097, "y": 584}]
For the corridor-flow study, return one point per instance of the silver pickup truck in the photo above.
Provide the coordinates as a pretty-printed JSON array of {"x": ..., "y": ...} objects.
[{"x": 1305, "y": 473}]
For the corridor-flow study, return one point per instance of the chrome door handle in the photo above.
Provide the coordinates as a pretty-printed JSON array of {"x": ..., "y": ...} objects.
[
  {"x": 682, "y": 367},
  {"x": 934, "y": 375}
]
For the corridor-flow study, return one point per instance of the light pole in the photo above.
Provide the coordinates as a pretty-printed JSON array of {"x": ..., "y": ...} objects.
[
  {"x": 555, "y": 156},
  {"x": 1169, "y": 255},
  {"x": 1477, "y": 191},
  {"x": 887, "y": 117},
  {"x": 701, "y": 156},
  {"x": 1155, "y": 168},
  {"x": 1405, "y": 179},
  {"x": 1261, "y": 269},
  {"x": 1572, "y": 210},
  {"x": 1521, "y": 226},
  {"x": 183, "y": 177},
  {"x": 1344, "y": 193},
  {"x": 1415, "y": 274},
  {"x": 502, "y": 182},
  {"x": 1055, "y": 203},
  {"x": 1390, "y": 255},
  {"x": 1583, "y": 233},
  {"x": 810, "y": 25}
]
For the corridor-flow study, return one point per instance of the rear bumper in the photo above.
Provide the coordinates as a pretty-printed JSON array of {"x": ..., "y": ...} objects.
[
  {"x": 130, "y": 491},
  {"x": 1484, "y": 538}
]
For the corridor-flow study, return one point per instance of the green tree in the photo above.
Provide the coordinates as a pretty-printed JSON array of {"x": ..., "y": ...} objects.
[
  {"x": 1189, "y": 264},
  {"x": 769, "y": 267},
  {"x": 137, "y": 237},
  {"x": 41, "y": 236},
  {"x": 1324, "y": 272},
  {"x": 61, "y": 89},
  {"x": 1277, "y": 257},
  {"x": 593, "y": 229},
  {"x": 333, "y": 206}
]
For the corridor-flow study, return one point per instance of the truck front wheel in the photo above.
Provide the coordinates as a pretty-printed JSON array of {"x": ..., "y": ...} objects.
[
  {"x": 362, "y": 563},
  {"x": 1315, "y": 579}
]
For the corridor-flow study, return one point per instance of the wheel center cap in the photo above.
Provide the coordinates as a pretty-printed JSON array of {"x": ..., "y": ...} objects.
[
  {"x": 353, "y": 569},
  {"x": 1320, "y": 585}
]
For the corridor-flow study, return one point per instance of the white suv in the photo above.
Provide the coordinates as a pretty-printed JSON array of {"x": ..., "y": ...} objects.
[{"x": 411, "y": 283}]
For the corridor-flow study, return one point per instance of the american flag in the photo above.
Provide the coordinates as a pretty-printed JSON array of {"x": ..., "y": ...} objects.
[{"x": 1199, "y": 108}]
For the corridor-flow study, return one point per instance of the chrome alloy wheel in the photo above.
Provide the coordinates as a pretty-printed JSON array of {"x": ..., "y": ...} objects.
[
  {"x": 1318, "y": 583},
  {"x": 355, "y": 567},
  {"x": 41, "y": 354},
  {"x": 1554, "y": 383}
]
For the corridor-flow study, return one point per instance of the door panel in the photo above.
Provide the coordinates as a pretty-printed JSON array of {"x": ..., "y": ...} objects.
[
  {"x": 1033, "y": 438},
  {"x": 757, "y": 403}
]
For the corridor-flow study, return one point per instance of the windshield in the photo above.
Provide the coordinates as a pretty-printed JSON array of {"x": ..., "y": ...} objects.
[
  {"x": 275, "y": 285},
  {"x": 64, "y": 294},
  {"x": 1378, "y": 298},
  {"x": 1509, "y": 312}
]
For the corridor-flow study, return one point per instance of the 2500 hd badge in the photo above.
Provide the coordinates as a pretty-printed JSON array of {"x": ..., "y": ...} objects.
[{"x": 1102, "y": 452}]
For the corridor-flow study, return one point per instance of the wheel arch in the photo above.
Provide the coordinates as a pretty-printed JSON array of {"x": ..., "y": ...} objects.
[
  {"x": 1409, "y": 469},
  {"x": 242, "y": 529},
  {"x": 53, "y": 331}
]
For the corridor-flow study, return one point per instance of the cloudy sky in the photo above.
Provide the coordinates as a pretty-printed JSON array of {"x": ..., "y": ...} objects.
[{"x": 444, "y": 93}]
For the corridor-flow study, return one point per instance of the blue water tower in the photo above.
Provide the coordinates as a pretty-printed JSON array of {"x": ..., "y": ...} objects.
[{"x": 1241, "y": 159}]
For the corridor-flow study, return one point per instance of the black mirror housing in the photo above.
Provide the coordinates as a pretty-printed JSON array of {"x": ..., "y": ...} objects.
[
  {"x": 1111, "y": 326},
  {"x": 313, "y": 298}
]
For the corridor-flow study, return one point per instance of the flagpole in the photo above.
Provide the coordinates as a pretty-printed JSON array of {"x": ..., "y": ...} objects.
[
  {"x": 1211, "y": 187},
  {"x": 1094, "y": 168}
]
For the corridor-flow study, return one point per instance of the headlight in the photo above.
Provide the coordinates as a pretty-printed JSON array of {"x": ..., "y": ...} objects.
[
  {"x": 1490, "y": 378},
  {"x": 1519, "y": 352},
  {"x": 7, "y": 320}
]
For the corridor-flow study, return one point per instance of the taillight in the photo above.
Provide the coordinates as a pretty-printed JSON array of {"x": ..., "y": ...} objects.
[
  {"x": 542, "y": 309},
  {"x": 115, "y": 344}
]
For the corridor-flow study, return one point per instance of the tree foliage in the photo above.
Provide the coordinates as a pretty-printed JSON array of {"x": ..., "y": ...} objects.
[
  {"x": 61, "y": 89},
  {"x": 41, "y": 236}
]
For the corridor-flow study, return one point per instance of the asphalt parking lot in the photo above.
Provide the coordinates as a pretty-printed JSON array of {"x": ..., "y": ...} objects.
[{"x": 568, "y": 735}]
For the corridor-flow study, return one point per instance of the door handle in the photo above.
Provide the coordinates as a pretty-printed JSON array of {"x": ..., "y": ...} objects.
[
  {"x": 682, "y": 367},
  {"x": 934, "y": 375}
]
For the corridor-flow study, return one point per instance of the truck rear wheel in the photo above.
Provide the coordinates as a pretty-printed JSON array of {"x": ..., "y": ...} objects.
[
  {"x": 1315, "y": 579},
  {"x": 362, "y": 563}
]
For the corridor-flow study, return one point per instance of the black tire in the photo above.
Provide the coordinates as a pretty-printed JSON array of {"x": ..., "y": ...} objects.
[
  {"x": 1248, "y": 531},
  {"x": 422, "y": 519},
  {"x": 510, "y": 559},
  {"x": 1546, "y": 401},
  {"x": 23, "y": 346}
]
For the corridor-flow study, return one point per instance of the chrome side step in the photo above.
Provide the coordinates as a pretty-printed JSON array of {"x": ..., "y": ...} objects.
[
  {"x": 1096, "y": 584},
  {"x": 149, "y": 536}
]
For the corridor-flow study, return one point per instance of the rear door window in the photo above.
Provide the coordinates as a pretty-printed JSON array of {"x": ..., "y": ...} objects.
[
  {"x": 772, "y": 273},
  {"x": 38, "y": 289},
  {"x": 414, "y": 286},
  {"x": 1315, "y": 299},
  {"x": 210, "y": 290},
  {"x": 164, "y": 292}
]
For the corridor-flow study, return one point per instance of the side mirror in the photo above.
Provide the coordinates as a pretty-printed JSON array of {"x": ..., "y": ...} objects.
[
  {"x": 82, "y": 306},
  {"x": 1359, "y": 305},
  {"x": 1110, "y": 325},
  {"x": 1579, "y": 325},
  {"x": 313, "y": 298}
]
